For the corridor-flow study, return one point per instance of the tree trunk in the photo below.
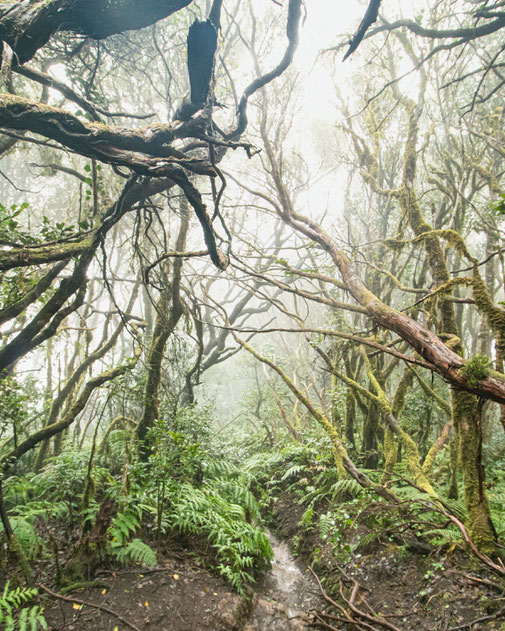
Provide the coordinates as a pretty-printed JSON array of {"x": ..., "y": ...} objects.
[
  {"x": 170, "y": 308},
  {"x": 467, "y": 420}
]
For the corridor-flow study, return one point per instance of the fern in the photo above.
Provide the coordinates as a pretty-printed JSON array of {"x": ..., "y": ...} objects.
[
  {"x": 456, "y": 507},
  {"x": 42, "y": 509},
  {"x": 326, "y": 525},
  {"x": 411, "y": 493},
  {"x": 17, "y": 618},
  {"x": 443, "y": 536},
  {"x": 367, "y": 539},
  {"x": 307, "y": 517},
  {"x": 293, "y": 471},
  {"x": 341, "y": 488},
  {"x": 219, "y": 467},
  {"x": 136, "y": 551},
  {"x": 239, "y": 545},
  {"x": 26, "y": 536},
  {"x": 240, "y": 495},
  {"x": 123, "y": 525}
]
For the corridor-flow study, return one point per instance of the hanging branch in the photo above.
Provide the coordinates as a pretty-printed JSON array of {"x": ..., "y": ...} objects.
[{"x": 368, "y": 19}]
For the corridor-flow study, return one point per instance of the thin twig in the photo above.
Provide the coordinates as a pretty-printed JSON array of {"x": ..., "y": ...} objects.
[{"x": 83, "y": 602}]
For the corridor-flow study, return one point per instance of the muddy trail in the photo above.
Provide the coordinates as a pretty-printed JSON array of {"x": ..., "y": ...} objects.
[
  {"x": 180, "y": 595},
  {"x": 285, "y": 596},
  {"x": 381, "y": 586}
]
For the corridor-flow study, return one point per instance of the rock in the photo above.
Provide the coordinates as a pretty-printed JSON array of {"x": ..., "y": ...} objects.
[
  {"x": 232, "y": 610},
  {"x": 272, "y": 616}
]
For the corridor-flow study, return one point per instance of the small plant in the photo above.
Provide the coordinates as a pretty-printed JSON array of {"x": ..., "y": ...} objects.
[
  {"x": 14, "y": 616},
  {"x": 239, "y": 545},
  {"x": 307, "y": 518},
  {"x": 122, "y": 527}
]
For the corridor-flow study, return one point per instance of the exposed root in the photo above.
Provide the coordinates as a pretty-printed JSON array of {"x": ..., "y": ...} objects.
[{"x": 358, "y": 618}]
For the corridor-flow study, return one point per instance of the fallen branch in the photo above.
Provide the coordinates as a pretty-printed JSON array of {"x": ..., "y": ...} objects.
[
  {"x": 88, "y": 604},
  {"x": 362, "y": 614},
  {"x": 484, "y": 581},
  {"x": 347, "y": 617},
  {"x": 365, "y": 618},
  {"x": 469, "y": 625}
]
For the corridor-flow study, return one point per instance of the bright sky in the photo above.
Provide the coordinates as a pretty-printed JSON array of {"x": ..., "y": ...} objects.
[{"x": 327, "y": 20}]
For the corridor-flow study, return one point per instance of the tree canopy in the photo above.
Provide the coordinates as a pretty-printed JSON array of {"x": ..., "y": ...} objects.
[{"x": 185, "y": 222}]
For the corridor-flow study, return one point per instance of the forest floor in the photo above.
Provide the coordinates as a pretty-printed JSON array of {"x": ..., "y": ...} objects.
[
  {"x": 381, "y": 588},
  {"x": 400, "y": 588},
  {"x": 180, "y": 594}
]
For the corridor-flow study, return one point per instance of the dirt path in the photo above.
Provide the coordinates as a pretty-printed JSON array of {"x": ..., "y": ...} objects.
[{"x": 180, "y": 596}]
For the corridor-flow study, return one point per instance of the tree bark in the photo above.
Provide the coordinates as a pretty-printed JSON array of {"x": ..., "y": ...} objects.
[
  {"x": 170, "y": 308},
  {"x": 26, "y": 25}
]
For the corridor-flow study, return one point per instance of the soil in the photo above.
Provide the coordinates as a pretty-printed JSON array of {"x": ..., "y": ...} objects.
[
  {"x": 176, "y": 596},
  {"x": 405, "y": 587},
  {"x": 180, "y": 595},
  {"x": 402, "y": 587}
]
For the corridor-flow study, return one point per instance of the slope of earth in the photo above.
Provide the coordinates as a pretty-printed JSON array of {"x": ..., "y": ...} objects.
[
  {"x": 180, "y": 595},
  {"x": 175, "y": 596},
  {"x": 394, "y": 582}
]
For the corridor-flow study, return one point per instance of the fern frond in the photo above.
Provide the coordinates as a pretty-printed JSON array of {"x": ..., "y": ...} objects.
[
  {"x": 341, "y": 488},
  {"x": 365, "y": 541},
  {"x": 307, "y": 517},
  {"x": 293, "y": 471},
  {"x": 443, "y": 536},
  {"x": 123, "y": 525},
  {"x": 137, "y": 552},
  {"x": 326, "y": 525},
  {"x": 16, "y": 618},
  {"x": 26, "y": 536}
]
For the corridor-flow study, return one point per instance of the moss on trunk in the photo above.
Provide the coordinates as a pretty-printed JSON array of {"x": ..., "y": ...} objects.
[{"x": 467, "y": 421}]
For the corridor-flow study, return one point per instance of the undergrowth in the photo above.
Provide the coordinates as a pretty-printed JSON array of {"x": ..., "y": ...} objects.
[
  {"x": 184, "y": 489},
  {"x": 16, "y": 612}
]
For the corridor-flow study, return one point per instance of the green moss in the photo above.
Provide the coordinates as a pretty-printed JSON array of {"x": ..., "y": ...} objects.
[
  {"x": 476, "y": 369},
  {"x": 390, "y": 453},
  {"x": 469, "y": 432}
]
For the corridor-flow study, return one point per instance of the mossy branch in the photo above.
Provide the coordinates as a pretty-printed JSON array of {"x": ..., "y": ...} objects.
[
  {"x": 69, "y": 417},
  {"x": 339, "y": 451}
]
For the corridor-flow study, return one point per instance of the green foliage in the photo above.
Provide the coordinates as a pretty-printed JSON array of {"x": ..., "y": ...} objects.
[
  {"x": 12, "y": 232},
  {"x": 188, "y": 489},
  {"x": 347, "y": 487},
  {"x": 239, "y": 545},
  {"x": 26, "y": 536},
  {"x": 123, "y": 525},
  {"x": 443, "y": 536},
  {"x": 326, "y": 525},
  {"x": 475, "y": 369},
  {"x": 13, "y": 409},
  {"x": 499, "y": 206},
  {"x": 367, "y": 540},
  {"x": 16, "y": 617},
  {"x": 135, "y": 551},
  {"x": 293, "y": 471},
  {"x": 307, "y": 517}
]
